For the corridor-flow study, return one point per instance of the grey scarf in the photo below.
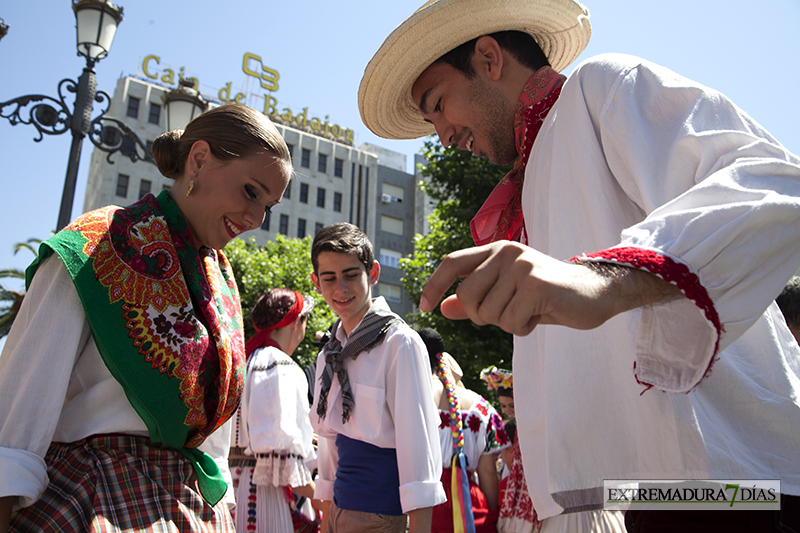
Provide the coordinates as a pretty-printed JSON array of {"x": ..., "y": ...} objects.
[{"x": 366, "y": 335}]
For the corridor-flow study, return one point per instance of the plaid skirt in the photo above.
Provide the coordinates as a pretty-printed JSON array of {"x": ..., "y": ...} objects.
[{"x": 113, "y": 483}]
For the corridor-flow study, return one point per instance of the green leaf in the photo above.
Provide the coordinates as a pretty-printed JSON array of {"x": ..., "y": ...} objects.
[{"x": 284, "y": 262}]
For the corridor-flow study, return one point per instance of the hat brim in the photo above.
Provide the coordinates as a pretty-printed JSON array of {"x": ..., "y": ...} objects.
[{"x": 560, "y": 27}]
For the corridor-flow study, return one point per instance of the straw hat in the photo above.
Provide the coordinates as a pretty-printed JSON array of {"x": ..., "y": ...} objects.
[{"x": 560, "y": 27}]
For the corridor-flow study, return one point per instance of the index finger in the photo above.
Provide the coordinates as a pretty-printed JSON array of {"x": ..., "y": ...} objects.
[{"x": 455, "y": 265}]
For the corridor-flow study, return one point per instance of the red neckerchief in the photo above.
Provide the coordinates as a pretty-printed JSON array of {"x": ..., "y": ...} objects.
[
  {"x": 262, "y": 338},
  {"x": 500, "y": 217}
]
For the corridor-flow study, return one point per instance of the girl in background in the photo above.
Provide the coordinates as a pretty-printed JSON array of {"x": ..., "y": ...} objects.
[
  {"x": 517, "y": 514},
  {"x": 273, "y": 436},
  {"x": 481, "y": 432}
]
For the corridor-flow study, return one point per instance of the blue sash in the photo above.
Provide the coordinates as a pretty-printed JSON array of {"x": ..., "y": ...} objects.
[{"x": 367, "y": 479}]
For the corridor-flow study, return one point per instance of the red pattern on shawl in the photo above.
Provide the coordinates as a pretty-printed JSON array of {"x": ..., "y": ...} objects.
[{"x": 500, "y": 217}]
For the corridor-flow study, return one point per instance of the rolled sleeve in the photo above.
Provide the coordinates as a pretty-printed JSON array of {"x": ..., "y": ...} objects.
[
  {"x": 327, "y": 462},
  {"x": 24, "y": 476},
  {"x": 410, "y": 400},
  {"x": 49, "y": 332},
  {"x": 421, "y": 494}
]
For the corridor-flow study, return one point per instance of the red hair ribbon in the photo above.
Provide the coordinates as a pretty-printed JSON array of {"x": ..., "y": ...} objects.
[{"x": 262, "y": 338}]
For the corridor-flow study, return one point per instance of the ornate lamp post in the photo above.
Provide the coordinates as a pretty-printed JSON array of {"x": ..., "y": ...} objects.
[
  {"x": 183, "y": 104},
  {"x": 97, "y": 22}
]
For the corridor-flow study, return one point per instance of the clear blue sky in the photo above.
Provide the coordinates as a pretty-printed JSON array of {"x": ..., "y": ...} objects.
[{"x": 748, "y": 50}]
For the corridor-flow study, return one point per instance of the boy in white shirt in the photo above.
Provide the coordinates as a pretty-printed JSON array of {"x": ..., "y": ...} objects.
[{"x": 378, "y": 443}]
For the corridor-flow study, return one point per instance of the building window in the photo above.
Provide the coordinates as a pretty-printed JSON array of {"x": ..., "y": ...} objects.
[
  {"x": 305, "y": 160},
  {"x": 390, "y": 258},
  {"x": 337, "y": 202},
  {"x": 392, "y": 293},
  {"x": 304, "y": 193},
  {"x": 128, "y": 146},
  {"x": 338, "y": 168},
  {"x": 392, "y": 193},
  {"x": 122, "y": 185},
  {"x": 133, "y": 107},
  {"x": 288, "y": 192},
  {"x": 284, "y": 225},
  {"x": 291, "y": 149},
  {"x": 392, "y": 224},
  {"x": 155, "y": 113},
  {"x": 322, "y": 163},
  {"x": 317, "y": 227},
  {"x": 301, "y": 228},
  {"x": 320, "y": 197},
  {"x": 144, "y": 188},
  {"x": 265, "y": 224}
]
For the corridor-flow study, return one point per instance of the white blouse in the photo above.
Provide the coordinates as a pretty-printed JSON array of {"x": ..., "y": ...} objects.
[
  {"x": 274, "y": 420},
  {"x": 483, "y": 429},
  {"x": 56, "y": 387}
]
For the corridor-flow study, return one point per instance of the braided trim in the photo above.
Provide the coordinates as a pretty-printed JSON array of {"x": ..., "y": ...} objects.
[{"x": 456, "y": 429}]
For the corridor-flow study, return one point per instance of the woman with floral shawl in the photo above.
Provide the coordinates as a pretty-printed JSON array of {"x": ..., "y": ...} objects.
[{"x": 128, "y": 352}]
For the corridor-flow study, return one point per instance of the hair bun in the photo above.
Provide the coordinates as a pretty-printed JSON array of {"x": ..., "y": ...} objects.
[{"x": 166, "y": 152}]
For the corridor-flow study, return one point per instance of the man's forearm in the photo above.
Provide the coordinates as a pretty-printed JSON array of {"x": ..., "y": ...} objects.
[
  {"x": 633, "y": 288},
  {"x": 326, "y": 509},
  {"x": 517, "y": 288},
  {"x": 419, "y": 520}
]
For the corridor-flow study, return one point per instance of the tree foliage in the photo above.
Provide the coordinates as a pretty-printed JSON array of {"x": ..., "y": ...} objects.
[
  {"x": 460, "y": 183},
  {"x": 11, "y": 301},
  {"x": 283, "y": 262}
]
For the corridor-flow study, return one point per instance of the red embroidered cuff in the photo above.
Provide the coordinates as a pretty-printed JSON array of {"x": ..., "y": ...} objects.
[{"x": 669, "y": 270}]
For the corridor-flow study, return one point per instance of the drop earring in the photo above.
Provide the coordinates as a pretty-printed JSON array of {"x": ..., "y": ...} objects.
[{"x": 191, "y": 186}]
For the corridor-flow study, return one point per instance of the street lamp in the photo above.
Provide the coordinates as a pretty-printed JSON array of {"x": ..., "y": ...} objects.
[
  {"x": 3, "y": 28},
  {"x": 183, "y": 104},
  {"x": 97, "y": 26},
  {"x": 97, "y": 22}
]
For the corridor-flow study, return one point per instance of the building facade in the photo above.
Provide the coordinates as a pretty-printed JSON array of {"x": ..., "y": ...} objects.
[{"x": 333, "y": 182}]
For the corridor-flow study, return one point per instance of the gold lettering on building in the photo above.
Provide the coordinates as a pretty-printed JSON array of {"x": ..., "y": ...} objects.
[
  {"x": 268, "y": 77},
  {"x": 252, "y": 65}
]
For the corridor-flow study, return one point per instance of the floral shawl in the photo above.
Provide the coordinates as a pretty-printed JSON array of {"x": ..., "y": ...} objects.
[{"x": 166, "y": 320}]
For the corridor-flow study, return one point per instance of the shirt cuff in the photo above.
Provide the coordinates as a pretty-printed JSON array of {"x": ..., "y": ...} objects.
[
  {"x": 24, "y": 476},
  {"x": 677, "y": 341},
  {"x": 421, "y": 494},
  {"x": 323, "y": 489}
]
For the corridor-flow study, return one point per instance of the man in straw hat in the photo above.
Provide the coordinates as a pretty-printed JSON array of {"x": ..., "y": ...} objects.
[{"x": 680, "y": 214}]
